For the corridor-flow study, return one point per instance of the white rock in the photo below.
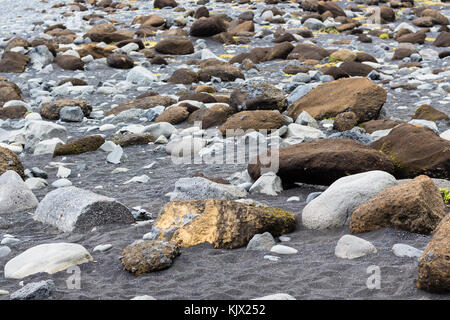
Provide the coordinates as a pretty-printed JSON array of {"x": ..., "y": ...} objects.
[
  {"x": 308, "y": 133},
  {"x": 351, "y": 247},
  {"x": 49, "y": 258},
  {"x": 276, "y": 296},
  {"x": 103, "y": 247},
  {"x": 429, "y": 124},
  {"x": 115, "y": 156},
  {"x": 160, "y": 128},
  {"x": 294, "y": 198},
  {"x": 268, "y": 183},
  {"x": 61, "y": 183},
  {"x": 63, "y": 172},
  {"x": 108, "y": 146},
  {"x": 197, "y": 188},
  {"x": 404, "y": 250},
  {"x": 36, "y": 183},
  {"x": 47, "y": 146},
  {"x": 36, "y": 131},
  {"x": 141, "y": 76},
  {"x": 333, "y": 208},
  {"x": 15, "y": 195},
  {"x": 282, "y": 249},
  {"x": 445, "y": 135},
  {"x": 271, "y": 258},
  {"x": 141, "y": 179},
  {"x": 145, "y": 297}
]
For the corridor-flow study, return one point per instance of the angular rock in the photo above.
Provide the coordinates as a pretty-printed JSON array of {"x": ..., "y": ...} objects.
[
  {"x": 252, "y": 120},
  {"x": 351, "y": 247},
  {"x": 15, "y": 196},
  {"x": 10, "y": 161}
]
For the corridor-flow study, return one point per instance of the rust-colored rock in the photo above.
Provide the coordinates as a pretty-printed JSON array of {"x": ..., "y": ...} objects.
[
  {"x": 224, "y": 224},
  {"x": 415, "y": 206}
]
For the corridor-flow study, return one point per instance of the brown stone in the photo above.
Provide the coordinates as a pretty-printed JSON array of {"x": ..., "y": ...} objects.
[
  {"x": 13, "y": 112},
  {"x": 175, "y": 46},
  {"x": 224, "y": 224},
  {"x": 10, "y": 161},
  {"x": 50, "y": 110},
  {"x": 9, "y": 91},
  {"x": 327, "y": 100},
  {"x": 133, "y": 139},
  {"x": 79, "y": 145},
  {"x": 320, "y": 161},
  {"x": 415, "y": 206},
  {"x": 143, "y": 103},
  {"x": 173, "y": 115},
  {"x": 223, "y": 72},
  {"x": 442, "y": 40},
  {"x": 207, "y": 27},
  {"x": 260, "y": 97},
  {"x": 183, "y": 76},
  {"x": 69, "y": 62},
  {"x": 252, "y": 120},
  {"x": 279, "y": 51},
  {"x": 416, "y": 150},
  {"x": 434, "y": 264},
  {"x": 427, "y": 112},
  {"x": 345, "y": 121},
  {"x": 374, "y": 125},
  {"x": 120, "y": 61},
  {"x": 13, "y": 62}
]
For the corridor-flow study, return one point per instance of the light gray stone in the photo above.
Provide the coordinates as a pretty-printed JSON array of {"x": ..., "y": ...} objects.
[
  {"x": 34, "y": 291},
  {"x": 404, "y": 250},
  {"x": 72, "y": 208},
  {"x": 261, "y": 242},
  {"x": 268, "y": 183},
  {"x": 197, "y": 188},
  {"x": 351, "y": 247},
  {"x": 15, "y": 196}
]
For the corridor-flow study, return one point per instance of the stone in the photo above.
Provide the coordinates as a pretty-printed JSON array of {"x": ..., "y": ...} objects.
[
  {"x": 210, "y": 117},
  {"x": 160, "y": 129},
  {"x": 224, "y": 72},
  {"x": 61, "y": 183},
  {"x": 403, "y": 250},
  {"x": 71, "y": 114},
  {"x": 345, "y": 121},
  {"x": 303, "y": 133},
  {"x": 359, "y": 95},
  {"x": 176, "y": 46},
  {"x": 49, "y": 258},
  {"x": 173, "y": 115},
  {"x": 185, "y": 147},
  {"x": 115, "y": 155},
  {"x": 34, "y": 291},
  {"x": 9, "y": 91},
  {"x": 159, "y": 4},
  {"x": 13, "y": 62},
  {"x": 260, "y": 97},
  {"x": 442, "y": 40},
  {"x": 333, "y": 207},
  {"x": 224, "y": 224},
  {"x": 427, "y": 112},
  {"x": 269, "y": 183},
  {"x": 15, "y": 196},
  {"x": 134, "y": 139},
  {"x": 415, "y": 206},
  {"x": 197, "y": 188},
  {"x": 52, "y": 110},
  {"x": 207, "y": 27},
  {"x": 261, "y": 242},
  {"x": 120, "y": 61},
  {"x": 256, "y": 120},
  {"x": 10, "y": 161},
  {"x": 144, "y": 103},
  {"x": 69, "y": 62},
  {"x": 276, "y": 296},
  {"x": 141, "y": 76},
  {"x": 282, "y": 249},
  {"x": 351, "y": 247},
  {"x": 434, "y": 263},
  {"x": 149, "y": 256},
  {"x": 183, "y": 76},
  {"x": 47, "y": 146},
  {"x": 309, "y": 162},
  {"x": 79, "y": 145},
  {"x": 74, "y": 209},
  {"x": 416, "y": 150}
]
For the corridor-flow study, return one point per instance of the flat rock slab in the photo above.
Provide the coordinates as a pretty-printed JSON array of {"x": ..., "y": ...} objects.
[{"x": 74, "y": 209}]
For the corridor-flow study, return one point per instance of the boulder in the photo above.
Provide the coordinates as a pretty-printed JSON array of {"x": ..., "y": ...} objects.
[
  {"x": 10, "y": 161},
  {"x": 120, "y": 61},
  {"x": 442, "y": 40},
  {"x": 15, "y": 196},
  {"x": 79, "y": 145},
  {"x": 69, "y": 62},
  {"x": 37, "y": 130},
  {"x": 148, "y": 256},
  {"x": 269, "y": 183},
  {"x": 333, "y": 207},
  {"x": 9, "y": 91},
  {"x": 252, "y": 120},
  {"x": 261, "y": 242},
  {"x": 416, "y": 150},
  {"x": 35, "y": 291},
  {"x": 74, "y": 209},
  {"x": 183, "y": 76},
  {"x": 434, "y": 263},
  {"x": 198, "y": 188},
  {"x": 351, "y": 247},
  {"x": 345, "y": 121},
  {"x": 173, "y": 115},
  {"x": 51, "y": 110},
  {"x": 359, "y": 95},
  {"x": 224, "y": 224},
  {"x": 260, "y": 97},
  {"x": 320, "y": 162},
  {"x": 143, "y": 103},
  {"x": 13, "y": 62},
  {"x": 415, "y": 206},
  {"x": 159, "y": 4},
  {"x": 176, "y": 46},
  {"x": 49, "y": 258},
  {"x": 207, "y": 27},
  {"x": 209, "y": 117},
  {"x": 375, "y": 125},
  {"x": 429, "y": 113},
  {"x": 13, "y": 112},
  {"x": 224, "y": 72}
]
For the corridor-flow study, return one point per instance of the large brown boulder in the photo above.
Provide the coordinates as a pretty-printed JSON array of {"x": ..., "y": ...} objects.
[
  {"x": 173, "y": 115},
  {"x": 120, "y": 61},
  {"x": 148, "y": 256},
  {"x": 434, "y": 264},
  {"x": 381, "y": 124},
  {"x": 159, "y": 4},
  {"x": 319, "y": 162},
  {"x": 79, "y": 145},
  {"x": 355, "y": 69},
  {"x": 207, "y": 27},
  {"x": 260, "y": 97},
  {"x": 209, "y": 117},
  {"x": 224, "y": 224},
  {"x": 10, "y": 161},
  {"x": 175, "y": 46},
  {"x": 329, "y": 99},
  {"x": 418, "y": 37},
  {"x": 16, "y": 42},
  {"x": 415, "y": 206},
  {"x": 438, "y": 18},
  {"x": 279, "y": 51},
  {"x": 13, "y": 112},
  {"x": 252, "y": 120},
  {"x": 50, "y": 110},
  {"x": 9, "y": 91},
  {"x": 416, "y": 150},
  {"x": 224, "y": 72},
  {"x": 69, "y": 62},
  {"x": 133, "y": 139},
  {"x": 427, "y": 112},
  {"x": 145, "y": 103},
  {"x": 13, "y": 62}
]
